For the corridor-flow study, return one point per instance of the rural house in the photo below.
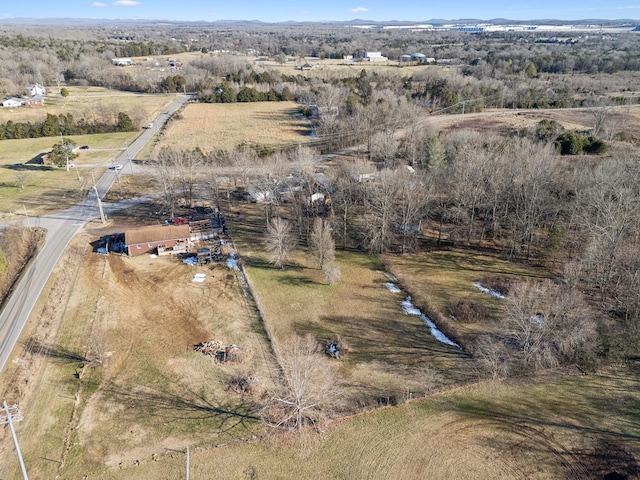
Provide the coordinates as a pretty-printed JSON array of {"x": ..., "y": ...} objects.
[
  {"x": 12, "y": 102},
  {"x": 35, "y": 101},
  {"x": 165, "y": 239},
  {"x": 36, "y": 89}
]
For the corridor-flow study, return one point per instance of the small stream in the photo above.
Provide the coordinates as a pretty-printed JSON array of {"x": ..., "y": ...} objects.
[{"x": 410, "y": 309}]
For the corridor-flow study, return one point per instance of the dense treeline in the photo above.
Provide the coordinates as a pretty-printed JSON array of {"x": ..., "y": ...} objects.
[
  {"x": 521, "y": 69},
  {"x": 62, "y": 124}
]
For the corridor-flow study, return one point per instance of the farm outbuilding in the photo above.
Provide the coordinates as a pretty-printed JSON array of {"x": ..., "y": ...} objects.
[{"x": 165, "y": 239}]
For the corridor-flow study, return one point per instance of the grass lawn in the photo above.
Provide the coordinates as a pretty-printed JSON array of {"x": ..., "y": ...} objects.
[{"x": 390, "y": 353}]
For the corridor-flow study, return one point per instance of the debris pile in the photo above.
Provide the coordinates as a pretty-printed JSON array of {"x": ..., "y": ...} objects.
[
  {"x": 219, "y": 352},
  {"x": 211, "y": 347},
  {"x": 242, "y": 383},
  {"x": 335, "y": 348}
]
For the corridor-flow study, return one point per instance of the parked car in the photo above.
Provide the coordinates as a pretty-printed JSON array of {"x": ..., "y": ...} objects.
[{"x": 84, "y": 147}]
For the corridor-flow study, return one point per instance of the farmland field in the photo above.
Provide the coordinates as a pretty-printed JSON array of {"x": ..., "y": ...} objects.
[
  {"x": 94, "y": 104},
  {"x": 549, "y": 429},
  {"x": 221, "y": 126},
  {"x": 121, "y": 394}
]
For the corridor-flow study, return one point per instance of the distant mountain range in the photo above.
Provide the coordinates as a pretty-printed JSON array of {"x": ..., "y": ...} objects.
[{"x": 435, "y": 22}]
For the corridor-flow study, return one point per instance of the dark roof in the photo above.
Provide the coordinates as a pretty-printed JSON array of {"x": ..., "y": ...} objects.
[{"x": 156, "y": 233}]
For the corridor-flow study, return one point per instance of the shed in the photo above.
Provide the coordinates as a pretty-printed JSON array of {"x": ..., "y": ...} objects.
[{"x": 166, "y": 239}]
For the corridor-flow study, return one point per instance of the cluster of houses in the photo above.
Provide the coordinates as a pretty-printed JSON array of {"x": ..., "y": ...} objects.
[
  {"x": 34, "y": 98},
  {"x": 378, "y": 57}
]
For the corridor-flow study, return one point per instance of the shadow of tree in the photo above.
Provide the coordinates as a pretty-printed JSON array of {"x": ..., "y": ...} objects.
[
  {"x": 183, "y": 403},
  {"x": 56, "y": 352}
]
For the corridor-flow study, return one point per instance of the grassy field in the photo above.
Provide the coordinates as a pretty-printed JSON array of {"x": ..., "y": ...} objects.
[
  {"x": 42, "y": 189},
  {"x": 215, "y": 126},
  {"x": 121, "y": 394},
  {"x": 94, "y": 104},
  {"x": 561, "y": 427},
  {"x": 390, "y": 353}
]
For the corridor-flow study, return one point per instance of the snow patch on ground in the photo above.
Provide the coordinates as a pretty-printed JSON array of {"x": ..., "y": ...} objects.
[
  {"x": 410, "y": 309},
  {"x": 488, "y": 291},
  {"x": 390, "y": 277},
  {"x": 392, "y": 287},
  {"x": 232, "y": 263}
]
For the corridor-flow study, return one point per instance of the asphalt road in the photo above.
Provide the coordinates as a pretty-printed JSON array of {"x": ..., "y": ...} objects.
[{"x": 61, "y": 227}]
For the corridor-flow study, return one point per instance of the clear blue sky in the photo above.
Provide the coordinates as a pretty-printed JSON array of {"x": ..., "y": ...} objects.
[{"x": 317, "y": 10}]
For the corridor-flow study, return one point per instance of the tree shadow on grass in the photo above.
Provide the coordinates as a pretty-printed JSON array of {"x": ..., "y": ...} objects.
[
  {"x": 181, "y": 403},
  {"x": 56, "y": 352},
  {"x": 400, "y": 340},
  {"x": 295, "y": 281}
]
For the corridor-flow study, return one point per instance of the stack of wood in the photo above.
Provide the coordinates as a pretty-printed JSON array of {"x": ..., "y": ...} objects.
[
  {"x": 219, "y": 351},
  {"x": 211, "y": 347}
]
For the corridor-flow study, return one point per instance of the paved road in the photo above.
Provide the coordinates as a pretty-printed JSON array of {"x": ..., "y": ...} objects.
[{"x": 61, "y": 228}]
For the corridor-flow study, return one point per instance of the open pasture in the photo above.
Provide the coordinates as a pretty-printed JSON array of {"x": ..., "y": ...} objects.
[
  {"x": 222, "y": 126},
  {"x": 94, "y": 104}
]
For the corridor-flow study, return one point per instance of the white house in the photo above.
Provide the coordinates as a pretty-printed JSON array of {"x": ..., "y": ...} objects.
[
  {"x": 12, "y": 102},
  {"x": 36, "y": 89}
]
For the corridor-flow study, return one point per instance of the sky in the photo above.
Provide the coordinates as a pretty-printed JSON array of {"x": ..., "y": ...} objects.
[{"x": 321, "y": 10}]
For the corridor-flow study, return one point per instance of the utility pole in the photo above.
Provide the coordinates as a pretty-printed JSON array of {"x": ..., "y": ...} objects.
[
  {"x": 27, "y": 216},
  {"x": 188, "y": 463},
  {"x": 95, "y": 188},
  {"x": 13, "y": 414}
]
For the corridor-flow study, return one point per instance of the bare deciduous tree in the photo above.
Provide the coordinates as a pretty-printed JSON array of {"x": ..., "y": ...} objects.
[
  {"x": 323, "y": 247},
  {"x": 600, "y": 113},
  {"x": 279, "y": 241},
  {"x": 492, "y": 355},
  {"x": 23, "y": 176},
  {"x": 167, "y": 177},
  {"x": 548, "y": 325},
  {"x": 306, "y": 387}
]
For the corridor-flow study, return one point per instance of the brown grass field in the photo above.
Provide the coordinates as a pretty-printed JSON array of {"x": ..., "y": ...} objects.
[
  {"x": 564, "y": 427},
  {"x": 120, "y": 380},
  {"x": 222, "y": 126},
  {"x": 117, "y": 392},
  {"x": 49, "y": 189},
  {"x": 94, "y": 104}
]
